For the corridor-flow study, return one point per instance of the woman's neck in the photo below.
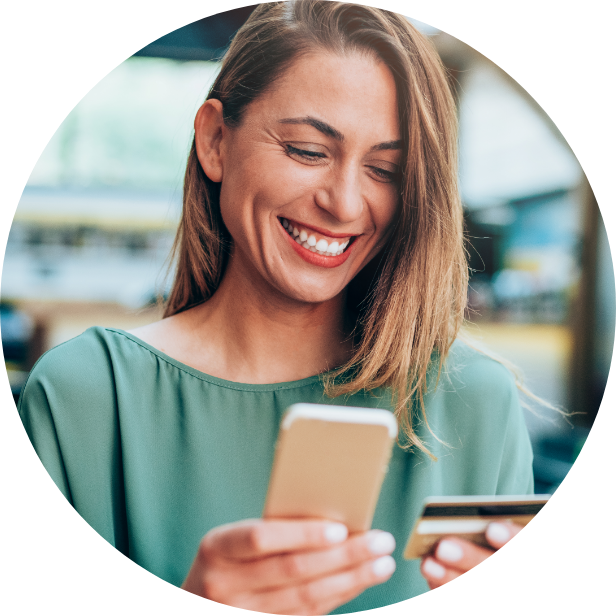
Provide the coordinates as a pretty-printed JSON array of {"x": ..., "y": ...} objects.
[
  {"x": 249, "y": 334},
  {"x": 263, "y": 337}
]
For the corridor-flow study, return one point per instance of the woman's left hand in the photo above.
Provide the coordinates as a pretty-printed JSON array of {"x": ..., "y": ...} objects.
[{"x": 454, "y": 556}]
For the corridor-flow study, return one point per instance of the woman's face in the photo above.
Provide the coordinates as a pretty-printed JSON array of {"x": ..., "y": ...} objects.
[{"x": 310, "y": 178}]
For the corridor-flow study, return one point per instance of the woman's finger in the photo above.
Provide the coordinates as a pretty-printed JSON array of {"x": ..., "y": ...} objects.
[
  {"x": 499, "y": 533},
  {"x": 454, "y": 556},
  {"x": 436, "y": 573},
  {"x": 459, "y": 554},
  {"x": 321, "y": 595},
  {"x": 287, "y": 569},
  {"x": 251, "y": 539}
]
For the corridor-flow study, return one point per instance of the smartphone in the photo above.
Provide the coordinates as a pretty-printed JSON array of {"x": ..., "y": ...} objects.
[
  {"x": 330, "y": 462},
  {"x": 468, "y": 517}
]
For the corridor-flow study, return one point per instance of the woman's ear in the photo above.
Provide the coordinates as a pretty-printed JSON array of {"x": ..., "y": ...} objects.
[{"x": 209, "y": 127}]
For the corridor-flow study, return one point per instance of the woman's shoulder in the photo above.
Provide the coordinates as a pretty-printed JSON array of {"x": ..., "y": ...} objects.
[
  {"x": 68, "y": 402},
  {"x": 86, "y": 353},
  {"x": 471, "y": 368},
  {"x": 476, "y": 410},
  {"x": 475, "y": 387},
  {"x": 80, "y": 368}
]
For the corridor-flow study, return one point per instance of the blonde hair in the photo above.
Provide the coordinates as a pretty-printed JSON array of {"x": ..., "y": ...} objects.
[{"x": 410, "y": 300}]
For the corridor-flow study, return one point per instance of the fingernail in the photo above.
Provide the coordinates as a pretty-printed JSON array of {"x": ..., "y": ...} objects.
[
  {"x": 380, "y": 542},
  {"x": 433, "y": 569},
  {"x": 449, "y": 551},
  {"x": 498, "y": 533},
  {"x": 336, "y": 533},
  {"x": 383, "y": 566}
]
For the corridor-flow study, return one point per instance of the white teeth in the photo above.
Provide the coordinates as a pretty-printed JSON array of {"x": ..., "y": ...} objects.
[
  {"x": 333, "y": 248},
  {"x": 310, "y": 241}
]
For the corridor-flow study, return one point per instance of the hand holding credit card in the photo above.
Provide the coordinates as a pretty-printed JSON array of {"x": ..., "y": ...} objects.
[{"x": 468, "y": 517}]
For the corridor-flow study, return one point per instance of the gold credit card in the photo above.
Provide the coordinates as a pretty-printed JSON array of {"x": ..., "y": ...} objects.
[{"x": 468, "y": 517}]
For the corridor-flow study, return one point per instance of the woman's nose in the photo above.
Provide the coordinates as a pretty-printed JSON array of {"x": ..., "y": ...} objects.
[{"x": 342, "y": 196}]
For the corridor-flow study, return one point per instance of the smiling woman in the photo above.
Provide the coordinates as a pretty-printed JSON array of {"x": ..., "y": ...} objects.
[
  {"x": 319, "y": 259},
  {"x": 384, "y": 83}
]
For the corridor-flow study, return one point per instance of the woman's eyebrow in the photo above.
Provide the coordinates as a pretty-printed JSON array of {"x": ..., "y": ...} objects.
[
  {"x": 330, "y": 131},
  {"x": 387, "y": 145},
  {"x": 321, "y": 126}
]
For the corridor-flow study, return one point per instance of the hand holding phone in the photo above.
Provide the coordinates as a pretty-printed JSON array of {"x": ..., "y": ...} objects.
[{"x": 288, "y": 566}]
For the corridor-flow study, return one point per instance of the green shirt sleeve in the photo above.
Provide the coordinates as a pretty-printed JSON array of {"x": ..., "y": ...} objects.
[
  {"x": 68, "y": 408},
  {"x": 482, "y": 421}
]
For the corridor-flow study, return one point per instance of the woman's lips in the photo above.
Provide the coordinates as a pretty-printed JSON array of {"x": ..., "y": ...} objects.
[
  {"x": 314, "y": 248},
  {"x": 328, "y": 235},
  {"x": 316, "y": 241}
]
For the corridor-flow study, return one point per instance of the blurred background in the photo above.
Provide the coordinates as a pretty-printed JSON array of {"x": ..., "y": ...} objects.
[{"x": 93, "y": 229}]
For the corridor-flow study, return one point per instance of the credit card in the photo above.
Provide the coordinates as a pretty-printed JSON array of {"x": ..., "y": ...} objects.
[{"x": 468, "y": 517}]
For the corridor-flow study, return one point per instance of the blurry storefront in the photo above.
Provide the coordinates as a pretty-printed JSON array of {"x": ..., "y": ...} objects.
[
  {"x": 95, "y": 224},
  {"x": 525, "y": 258},
  {"x": 541, "y": 292}
]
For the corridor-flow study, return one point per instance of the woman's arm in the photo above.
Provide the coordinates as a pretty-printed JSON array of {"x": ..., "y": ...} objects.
[
  {"x": 37, "y": 417},
  {"x": 69, "y": 411}
]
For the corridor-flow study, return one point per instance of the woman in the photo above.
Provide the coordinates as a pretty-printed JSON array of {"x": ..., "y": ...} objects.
[{"x": 320, "y": 255}]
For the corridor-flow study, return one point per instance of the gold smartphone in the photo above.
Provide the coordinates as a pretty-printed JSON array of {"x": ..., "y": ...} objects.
[
  {"x": 330, "y": 463},
  {"x": 468, "y": 517}
]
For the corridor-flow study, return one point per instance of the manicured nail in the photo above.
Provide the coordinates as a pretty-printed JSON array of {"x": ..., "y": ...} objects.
[
  {"x": 336, "y": 533},
  {"x": 433, "y": 569},
  {"x": 383, "y": 566},
  {"x": 381, "y": 543},
  {"x": 449, "y": 551},
  {"x": 498, "y": 533}
]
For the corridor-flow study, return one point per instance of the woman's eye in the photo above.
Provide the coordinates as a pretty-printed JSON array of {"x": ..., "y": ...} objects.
[
  {"x": 308, "y": 156},
  {"x": 385, "y": 175}
]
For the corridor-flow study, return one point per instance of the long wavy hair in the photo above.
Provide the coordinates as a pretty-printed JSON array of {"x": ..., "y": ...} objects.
[{"x": 409, "y": 301}]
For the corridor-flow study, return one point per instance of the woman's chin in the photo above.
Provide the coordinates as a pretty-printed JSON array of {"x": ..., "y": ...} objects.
[
  {"x": 305, "y": 292},
  {"x": 312, "y": 297}
]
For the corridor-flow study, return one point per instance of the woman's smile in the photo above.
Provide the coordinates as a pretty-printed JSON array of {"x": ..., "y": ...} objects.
[{"x": 325, "y": 249}]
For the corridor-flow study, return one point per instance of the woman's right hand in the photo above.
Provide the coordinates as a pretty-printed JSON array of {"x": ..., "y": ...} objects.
[{"x": 289, "y": 566}]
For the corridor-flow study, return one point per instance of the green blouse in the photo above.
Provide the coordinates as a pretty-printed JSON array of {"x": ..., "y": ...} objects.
[{"x": 153, "y": 453}]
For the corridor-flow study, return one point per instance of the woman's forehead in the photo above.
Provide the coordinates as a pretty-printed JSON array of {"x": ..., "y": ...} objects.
[{"x": 349, "y": 90}]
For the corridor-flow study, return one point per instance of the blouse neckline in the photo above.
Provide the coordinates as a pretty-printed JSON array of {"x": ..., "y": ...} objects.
[{"x": 255, "y": 387}]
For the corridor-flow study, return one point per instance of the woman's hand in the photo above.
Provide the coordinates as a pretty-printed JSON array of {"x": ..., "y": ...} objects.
[
  {"x": 288, "y": 567},
  {"x": 453, "y": 556}
]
